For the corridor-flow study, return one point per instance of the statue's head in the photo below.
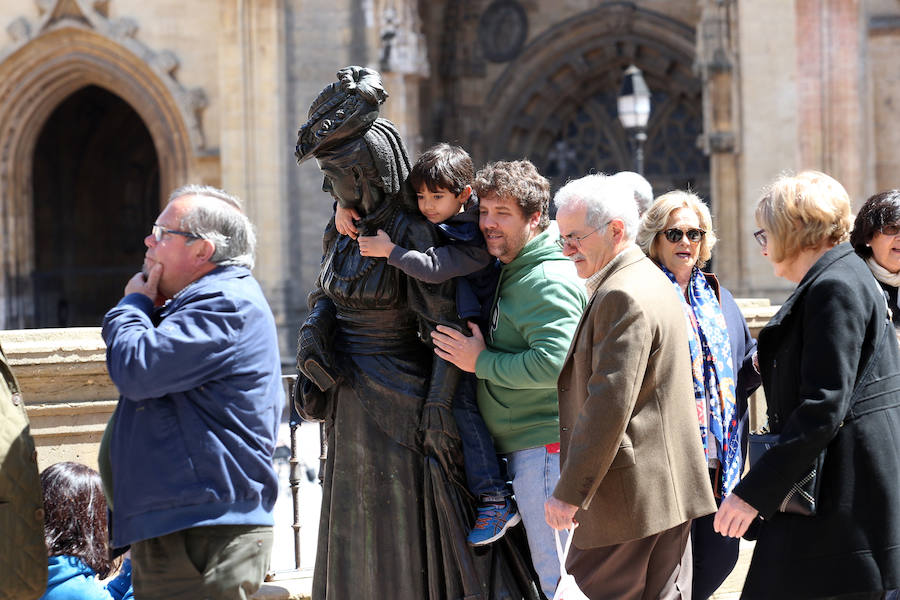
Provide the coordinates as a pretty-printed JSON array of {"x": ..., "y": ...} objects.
[{"x": 362, "y": 156}]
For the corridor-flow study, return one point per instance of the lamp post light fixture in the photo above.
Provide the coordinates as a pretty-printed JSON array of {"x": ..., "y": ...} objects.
[{"x": 634, "y": 112}]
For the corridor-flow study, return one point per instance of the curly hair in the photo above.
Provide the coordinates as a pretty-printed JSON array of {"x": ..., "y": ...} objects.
[
  {"x": 879, "y": 210},
  {"x": 655, "y": 219},
  {"x": 519, "y": 180},
  {"x": 75, "y": 515}
]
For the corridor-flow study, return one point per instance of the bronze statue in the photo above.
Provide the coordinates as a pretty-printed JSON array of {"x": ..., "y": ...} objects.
[{"x": 395, "y": 510}]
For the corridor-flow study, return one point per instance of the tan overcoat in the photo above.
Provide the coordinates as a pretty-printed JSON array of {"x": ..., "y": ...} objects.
[{"x": 631, "y": 458}]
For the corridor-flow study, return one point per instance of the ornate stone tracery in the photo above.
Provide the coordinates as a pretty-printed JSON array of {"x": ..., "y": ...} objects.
[{"x": 560, "y": 94}]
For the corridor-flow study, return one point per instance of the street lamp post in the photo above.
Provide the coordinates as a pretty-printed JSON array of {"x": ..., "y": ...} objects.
[{"x": 634, "y": 112}]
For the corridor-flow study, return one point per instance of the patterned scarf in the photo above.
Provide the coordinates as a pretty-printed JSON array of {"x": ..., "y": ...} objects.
[{"x": 713, "y": 372}]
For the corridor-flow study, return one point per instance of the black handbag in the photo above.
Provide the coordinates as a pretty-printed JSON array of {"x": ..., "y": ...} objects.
[{"x": 803, "y": 497}]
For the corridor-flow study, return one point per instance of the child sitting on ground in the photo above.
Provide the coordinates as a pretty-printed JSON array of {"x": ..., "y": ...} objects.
[{"x": 442, "y": 179}]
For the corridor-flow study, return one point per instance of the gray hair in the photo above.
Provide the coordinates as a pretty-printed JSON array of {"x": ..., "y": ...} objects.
[
  {"x": 223, "y": 223},
  {"x": 643, "y": 191},
  {"x": 604, "y": 199}
]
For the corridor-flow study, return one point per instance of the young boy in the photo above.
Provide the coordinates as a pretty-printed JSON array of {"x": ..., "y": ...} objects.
[{"x": 441, "y": 178}]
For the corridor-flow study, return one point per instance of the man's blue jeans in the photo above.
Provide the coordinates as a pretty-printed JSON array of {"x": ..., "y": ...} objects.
[
  {"x": 534, "y": 474},
  {"x": 483, "y": 473}
]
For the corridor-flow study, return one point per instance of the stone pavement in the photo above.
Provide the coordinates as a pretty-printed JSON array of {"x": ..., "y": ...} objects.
[
  {"x": 731, "y": 587},
  {"x": 296, "y": 585}
]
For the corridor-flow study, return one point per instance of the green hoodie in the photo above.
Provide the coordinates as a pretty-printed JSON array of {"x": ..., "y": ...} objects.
[{"x": 538, "y": 304}]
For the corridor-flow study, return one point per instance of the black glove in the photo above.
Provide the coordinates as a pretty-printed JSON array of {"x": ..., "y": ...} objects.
[{"x": 315, "y": 359}]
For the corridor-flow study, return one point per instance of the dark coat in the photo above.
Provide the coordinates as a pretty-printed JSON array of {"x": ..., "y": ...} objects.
[
  {"x": 893, "y": 303},
  {"x": 23, "y": 555},
  {"x": 811, "y": 355}
]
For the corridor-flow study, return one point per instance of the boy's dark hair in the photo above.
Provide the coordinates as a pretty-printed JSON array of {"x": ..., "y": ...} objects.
[
  {"x": 443, "y": 166},
  {"x": 75, "y": 515}
]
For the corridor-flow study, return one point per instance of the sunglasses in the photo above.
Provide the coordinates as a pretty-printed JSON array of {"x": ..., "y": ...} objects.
[
  {"x": 158, "y": 231},
  {"x": 693, "y": 235},
  {"x": 890, "y": 230},
  {"x": 761, "y": 238}
]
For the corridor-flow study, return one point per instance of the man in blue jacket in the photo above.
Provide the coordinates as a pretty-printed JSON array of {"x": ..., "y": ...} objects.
[{"x": 192, "y": 349}]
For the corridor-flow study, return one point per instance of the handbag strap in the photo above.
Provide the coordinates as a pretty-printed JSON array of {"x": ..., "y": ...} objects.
[{"x": 563, "y": 553}]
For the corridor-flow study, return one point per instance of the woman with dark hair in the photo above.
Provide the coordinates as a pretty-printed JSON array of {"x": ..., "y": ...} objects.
[
  {"x": 76, "y": 536},
  {"x": 876, "y": 238}
]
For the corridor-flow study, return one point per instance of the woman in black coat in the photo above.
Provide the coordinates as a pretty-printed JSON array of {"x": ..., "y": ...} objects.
[{"x": 812, "y": 355}]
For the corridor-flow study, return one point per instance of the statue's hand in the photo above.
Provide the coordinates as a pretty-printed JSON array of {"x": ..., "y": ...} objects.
[
  {"x": 440, "y": 440},
  {"x": 312, "y": 403},
  {"x": 314, "y": 357}
]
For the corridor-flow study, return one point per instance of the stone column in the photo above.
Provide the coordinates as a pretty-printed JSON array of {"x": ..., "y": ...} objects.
[
  {"x": 833, "y": 120},
  {"x": 254, "y": 159},
  {"x": 403, "y": 63},
  {"x": 884, "y": 48},
  {"x": 769, "y": 133},
  {"x": 719, "y": 72}
]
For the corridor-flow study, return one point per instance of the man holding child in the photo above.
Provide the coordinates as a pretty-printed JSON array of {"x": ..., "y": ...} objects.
[{"x": 538, "y": 303}]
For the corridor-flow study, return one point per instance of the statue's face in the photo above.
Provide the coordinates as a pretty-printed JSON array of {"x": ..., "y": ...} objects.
[
  {"x": 342, "y": 183},
  {"x": 349, "y": 186}
]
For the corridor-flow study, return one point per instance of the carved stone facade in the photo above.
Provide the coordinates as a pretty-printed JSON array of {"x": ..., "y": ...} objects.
[{"x": 742, "y": 90}]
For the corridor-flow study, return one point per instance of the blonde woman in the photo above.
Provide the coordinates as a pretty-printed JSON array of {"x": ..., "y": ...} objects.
[
  {"x": 677, "y": 233},
  {"x": 823, "y": 394}
]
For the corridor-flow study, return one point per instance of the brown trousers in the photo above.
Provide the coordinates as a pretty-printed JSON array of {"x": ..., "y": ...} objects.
[
  {"x": 651, "y": 568},
  {"x": 223, "y": 562}
]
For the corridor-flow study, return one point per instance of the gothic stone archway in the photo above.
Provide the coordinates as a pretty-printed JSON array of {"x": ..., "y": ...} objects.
[
  {"x": 556, "y": 103},
  {"x": 96, "y": 190},
  {"x": 34, "y": 79}
]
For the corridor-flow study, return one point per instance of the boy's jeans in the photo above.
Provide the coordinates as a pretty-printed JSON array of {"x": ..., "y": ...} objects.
[
  {"x": 534, "y": 474},
  {"x": 482, "y": 464}
]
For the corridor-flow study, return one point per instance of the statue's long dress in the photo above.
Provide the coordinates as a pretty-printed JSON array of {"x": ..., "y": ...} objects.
[{"x": 394, "y": 519}]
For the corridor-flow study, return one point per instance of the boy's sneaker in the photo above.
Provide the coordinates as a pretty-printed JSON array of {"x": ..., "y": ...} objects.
[{"x": 492, "y": 522}]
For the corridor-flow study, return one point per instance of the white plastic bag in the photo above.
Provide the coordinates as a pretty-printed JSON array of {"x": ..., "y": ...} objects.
[{"x": 567, "y": 588}]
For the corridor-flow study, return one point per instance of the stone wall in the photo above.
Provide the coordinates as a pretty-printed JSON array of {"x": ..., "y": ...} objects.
[
  {"x": 70, "y": 397},
  {"x": 67, "y": 391}
]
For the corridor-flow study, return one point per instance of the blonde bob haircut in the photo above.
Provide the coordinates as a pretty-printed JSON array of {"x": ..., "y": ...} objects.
[
  {"x": 656, "y": 217},
  {"x": 803, "y": 211}
]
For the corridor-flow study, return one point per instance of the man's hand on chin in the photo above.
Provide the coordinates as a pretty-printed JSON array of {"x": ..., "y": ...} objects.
[{"x": 147, "y": 286}]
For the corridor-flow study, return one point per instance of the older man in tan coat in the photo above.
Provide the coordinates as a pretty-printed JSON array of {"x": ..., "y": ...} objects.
[{"x": 633, "y": 473}]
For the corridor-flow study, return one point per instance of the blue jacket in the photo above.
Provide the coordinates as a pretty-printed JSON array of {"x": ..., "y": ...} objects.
[
  {"x": 200, "y": 405},
  {"x": 68, "y": 578}
]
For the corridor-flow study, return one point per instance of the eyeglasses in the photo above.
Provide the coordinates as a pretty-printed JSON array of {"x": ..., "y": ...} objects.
[
  {"x": 575, "y": 241},
  {"x": 890, "y": 230},
  {"x": 158, "y": 231},
  {"x": 693, "y": 235},
  {"x": 761, "y": 237}
]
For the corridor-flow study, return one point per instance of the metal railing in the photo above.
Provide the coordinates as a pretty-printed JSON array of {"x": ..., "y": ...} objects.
[{"x": 295, "y": 472}]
